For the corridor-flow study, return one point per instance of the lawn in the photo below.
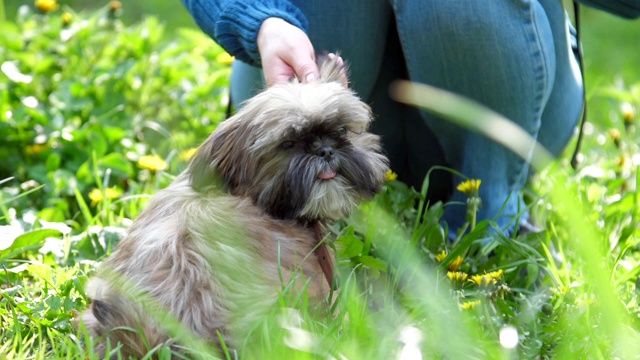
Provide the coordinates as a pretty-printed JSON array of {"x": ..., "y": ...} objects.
[{"x": 97, "y": 114}]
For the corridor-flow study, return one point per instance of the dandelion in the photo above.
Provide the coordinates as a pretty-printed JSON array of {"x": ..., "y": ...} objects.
[
  {"x": 97, "y": 196},
  {"x": 497, "y": 275},
  {"x": 35, "y": 149},
  {"x": 457, "y": 277},
  {"x": 483, "y": 280},
  {"x": 455, "y": 264},
  {"x": 224, "y": 58},
  {"x": 66, "y": 18},
  {"x": 152, "y": 163},
  {"x": 390, "y": 176},
  {"x": 468, "y": 305},
  {"x": 46, "y": 6},
  {"x": 470, "y": 187},
  {"x": 188, "y": 154},
  {"x": 411, "y": 337},
  {"x": 509, "y": 337}
]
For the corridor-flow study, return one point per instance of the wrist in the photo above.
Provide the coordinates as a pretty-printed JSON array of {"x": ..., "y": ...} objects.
[{"x": 271, "y": 27}]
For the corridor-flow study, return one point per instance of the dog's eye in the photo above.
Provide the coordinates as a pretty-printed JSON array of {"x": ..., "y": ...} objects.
[
  {"x": 289, "y": 144},
  {"x": 342, "y": 130}
]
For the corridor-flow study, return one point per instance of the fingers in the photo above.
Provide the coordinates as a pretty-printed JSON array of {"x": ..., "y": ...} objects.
[
  {"x": 333, "y": 56},
  {"x": 303, "y": 64},
  {"x": 286, "y": 52},
  {"x": 343, "y": 70},
  {"x": 307, "y": 72},
  {"x": 276, "y": 71}
]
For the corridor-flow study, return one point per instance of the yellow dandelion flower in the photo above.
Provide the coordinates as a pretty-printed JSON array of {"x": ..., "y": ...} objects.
[
  {"x": 152, "y": 163},
  {"x": 188, "y": 154},
  {"x": 35, "y": 149},
  {"x": 98, "y": 196},
  {"x": 455, "y": 264},
  {"x": 224, "y": 59},
  {"x": 66, "y": 18},
  {"x": 497, "y": 275},
  {"x": 483, "y": 280},
  {"x": 390, "y": 176},
  {"x": 457, "y": 276},
  {"x": 468, "y": 305},
  {"x": 46, "y": 6},
  {"x": 470, "y": 187}
]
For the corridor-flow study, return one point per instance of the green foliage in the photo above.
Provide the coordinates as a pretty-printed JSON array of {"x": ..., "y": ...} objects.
[
  {"x": 83, "y": 104},
  {"x": 82, "y": 101}
]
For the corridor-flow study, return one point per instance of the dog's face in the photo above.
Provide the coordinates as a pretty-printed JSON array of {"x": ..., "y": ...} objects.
[{"x": 299, "y": 151}]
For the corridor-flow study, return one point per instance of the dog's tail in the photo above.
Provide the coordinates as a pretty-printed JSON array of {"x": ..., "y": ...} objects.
[{"x": 332, "y": 68}]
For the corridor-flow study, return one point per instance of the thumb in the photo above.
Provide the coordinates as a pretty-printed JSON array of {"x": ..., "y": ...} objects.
[
  {"x": 277, "y": 71},
  {"x": 280, "y": 70},
  {"x": 306, "y": 71},
  {"x": 303, "y": 62}
]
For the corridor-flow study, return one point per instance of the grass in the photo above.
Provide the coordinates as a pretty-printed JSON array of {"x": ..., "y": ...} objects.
[{"x": 108, "y": 96}]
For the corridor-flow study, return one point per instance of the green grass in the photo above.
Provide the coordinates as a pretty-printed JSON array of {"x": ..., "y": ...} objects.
[{"x": 107, "y": 94}]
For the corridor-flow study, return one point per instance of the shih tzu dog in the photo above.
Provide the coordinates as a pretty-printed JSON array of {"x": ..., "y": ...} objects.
[{"x": 245, "y": 219}]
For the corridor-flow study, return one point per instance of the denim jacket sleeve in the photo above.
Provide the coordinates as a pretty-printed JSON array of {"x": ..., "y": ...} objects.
[
  {"x": 629, "y": 9},
  {"x": 234, "y": 24}
]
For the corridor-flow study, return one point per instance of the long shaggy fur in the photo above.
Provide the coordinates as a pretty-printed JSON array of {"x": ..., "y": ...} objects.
[{"x": 211, "y": 248}]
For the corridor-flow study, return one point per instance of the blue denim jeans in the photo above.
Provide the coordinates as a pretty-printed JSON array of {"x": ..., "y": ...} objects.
[{"x": 514, "y": 56}]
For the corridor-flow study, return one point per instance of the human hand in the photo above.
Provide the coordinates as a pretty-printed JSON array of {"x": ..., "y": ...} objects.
[{"x": 286, "y": 51}]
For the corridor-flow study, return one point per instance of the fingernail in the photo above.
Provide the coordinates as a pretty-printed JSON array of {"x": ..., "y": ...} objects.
[{"x": 310, "y": 77}]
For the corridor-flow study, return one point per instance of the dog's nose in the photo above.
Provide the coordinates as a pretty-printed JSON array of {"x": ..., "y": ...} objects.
[{"x": 325, "y": 151}]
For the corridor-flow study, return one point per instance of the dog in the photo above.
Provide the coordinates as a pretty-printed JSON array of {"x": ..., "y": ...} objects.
[{"x": 243, "y": 220}]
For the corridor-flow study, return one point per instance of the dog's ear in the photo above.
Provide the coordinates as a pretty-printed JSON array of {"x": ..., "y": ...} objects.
[{"x": 222, "y": 157}]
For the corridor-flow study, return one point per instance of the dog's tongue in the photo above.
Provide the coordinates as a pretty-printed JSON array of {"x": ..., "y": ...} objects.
[{"x": 327, "y": 175}]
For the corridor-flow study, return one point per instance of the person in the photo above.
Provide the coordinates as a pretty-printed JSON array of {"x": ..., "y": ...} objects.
[{"x": 518, "y": 57}]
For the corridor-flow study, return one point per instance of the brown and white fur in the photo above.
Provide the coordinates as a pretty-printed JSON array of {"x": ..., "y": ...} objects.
[{"x": 207, "y": 248}]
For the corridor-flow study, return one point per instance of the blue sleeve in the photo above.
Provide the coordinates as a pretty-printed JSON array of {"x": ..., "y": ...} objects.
[{"x": 234, "y": 24}]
